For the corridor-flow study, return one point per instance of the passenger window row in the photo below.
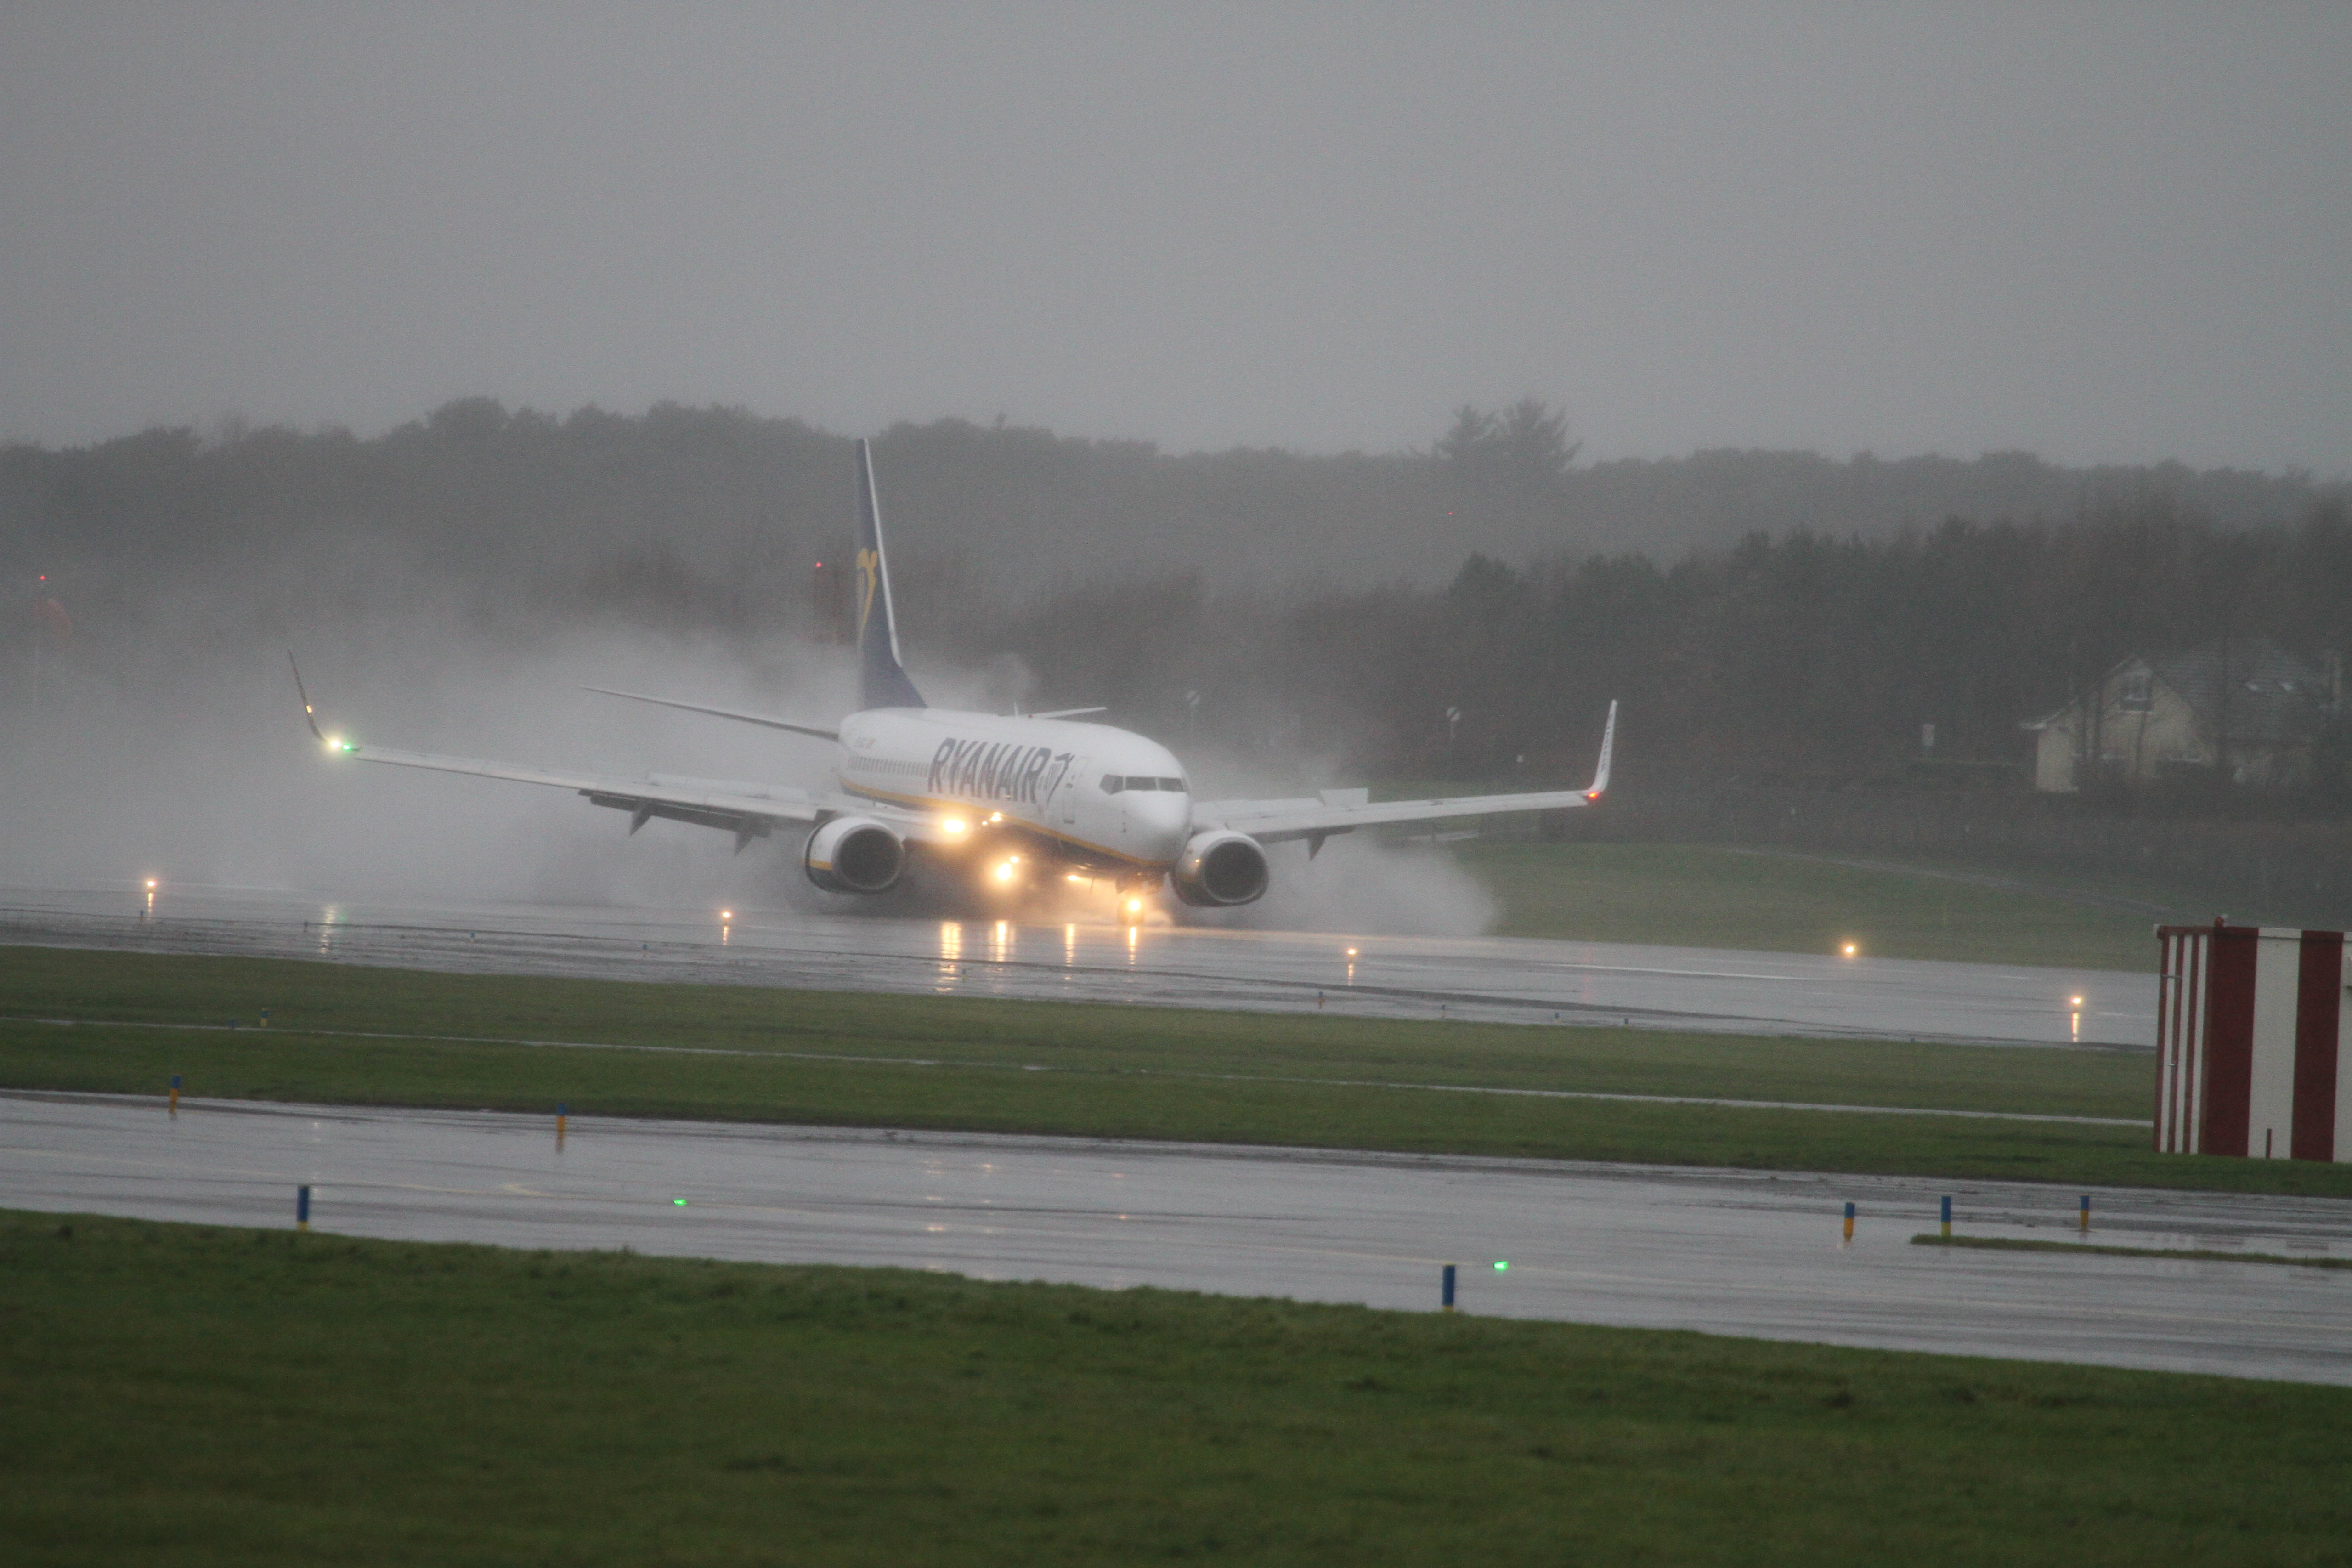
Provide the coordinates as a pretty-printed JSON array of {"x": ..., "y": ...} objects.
[{"x": 1113, "y": 782}]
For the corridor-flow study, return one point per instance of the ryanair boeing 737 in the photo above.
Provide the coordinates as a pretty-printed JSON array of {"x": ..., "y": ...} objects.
[{"x": 1012, "y": 798}]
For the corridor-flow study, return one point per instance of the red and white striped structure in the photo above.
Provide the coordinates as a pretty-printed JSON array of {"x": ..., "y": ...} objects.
[{"x": 2251, "y": 1029}]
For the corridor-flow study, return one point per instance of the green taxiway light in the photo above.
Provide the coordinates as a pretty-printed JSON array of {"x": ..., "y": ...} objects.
[
  {"x": 680, "y": 1202},
  {"x": 1501, "y": 1264}
]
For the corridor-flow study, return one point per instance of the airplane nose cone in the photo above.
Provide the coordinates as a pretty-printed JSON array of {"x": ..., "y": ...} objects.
[{"x": 1163, "y": 820}]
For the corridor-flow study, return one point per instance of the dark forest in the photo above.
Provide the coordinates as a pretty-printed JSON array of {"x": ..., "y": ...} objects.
[{"x": 1768, "y": 616}]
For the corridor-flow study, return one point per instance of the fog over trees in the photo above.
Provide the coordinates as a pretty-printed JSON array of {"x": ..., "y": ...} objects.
[{"x": 1762, "y": 615}]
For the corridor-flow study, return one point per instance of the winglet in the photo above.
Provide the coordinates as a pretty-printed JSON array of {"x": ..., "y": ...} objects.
[
  {"x": 308, "y": 716},
  {"x": 883, "y": 681},
  {"x": 1608, "y": 746}
]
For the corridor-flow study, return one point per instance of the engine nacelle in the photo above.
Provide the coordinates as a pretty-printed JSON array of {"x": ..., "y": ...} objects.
[
  {"x": 1219, "y": 869},
  {"x": 854, "y": 854}
]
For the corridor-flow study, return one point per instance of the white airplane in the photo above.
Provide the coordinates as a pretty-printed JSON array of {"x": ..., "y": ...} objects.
[{"x": 1015, "y": 798}]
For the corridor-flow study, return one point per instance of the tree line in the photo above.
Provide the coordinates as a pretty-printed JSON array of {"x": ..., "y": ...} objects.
[
  {"x": 1801, "y": 658},
  {"x": 1763, "y": 615}
]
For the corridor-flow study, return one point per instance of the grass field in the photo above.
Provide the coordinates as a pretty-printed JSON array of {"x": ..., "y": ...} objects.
[
  {"x": 1687, "y": 895},
  {"x": 200, "y": 1396},
  {"x": 341, "y": 1034}
]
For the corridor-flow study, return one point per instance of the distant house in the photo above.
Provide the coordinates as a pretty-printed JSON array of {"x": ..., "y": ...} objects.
[{"x": 2245, "y": 711}]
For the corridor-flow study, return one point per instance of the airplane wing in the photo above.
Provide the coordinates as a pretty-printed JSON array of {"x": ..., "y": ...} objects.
[
  {"x": 747, "y": 810},
  {"x": 1344, "y": 811}
]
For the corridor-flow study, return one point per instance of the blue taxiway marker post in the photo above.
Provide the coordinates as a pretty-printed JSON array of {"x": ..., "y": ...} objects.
[
  {"x": 175, "y": 1094},
  {"x": 559, "y": 1109},
  {"x": 1849, "y": 1221},
  {"x": 2086, "y": 1214},
  {"x": 302, "y": 1208},
  {"x": 1445, "y": 1290},
  {"x": 1947, "y": 1219}
]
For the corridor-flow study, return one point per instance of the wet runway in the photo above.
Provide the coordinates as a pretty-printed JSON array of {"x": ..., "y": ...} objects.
[
  {"x": 1728, "y": 1252},
  {"x": 1512, "y": 980}
]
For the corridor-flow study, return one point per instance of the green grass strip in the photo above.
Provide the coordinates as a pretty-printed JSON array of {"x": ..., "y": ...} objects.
[
  {"x": 206, "y": 1395},
  {"x": 2195, "y": 1254},
  {"x": 862, "y": 1059},
  {"x": 1692, "y": 895}
]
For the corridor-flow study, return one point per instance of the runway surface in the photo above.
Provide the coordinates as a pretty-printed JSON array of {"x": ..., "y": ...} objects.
[
  {"x": 1511, "y": 980},
  {"x": 1728, "y": 1252}
]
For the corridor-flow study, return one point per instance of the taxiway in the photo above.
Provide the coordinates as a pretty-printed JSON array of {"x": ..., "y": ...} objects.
[{"x": 1724, "y": 1251}]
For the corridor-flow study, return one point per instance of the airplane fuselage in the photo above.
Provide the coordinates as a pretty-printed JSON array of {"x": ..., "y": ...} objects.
[{"x": 1085, "y": 796}]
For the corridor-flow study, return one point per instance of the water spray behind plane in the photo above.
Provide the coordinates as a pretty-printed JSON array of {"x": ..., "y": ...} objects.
[{"x": 1012, "y": 798}]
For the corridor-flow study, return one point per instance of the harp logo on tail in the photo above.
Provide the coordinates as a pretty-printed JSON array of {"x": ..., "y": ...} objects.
[{"x": 869, "y": 578}]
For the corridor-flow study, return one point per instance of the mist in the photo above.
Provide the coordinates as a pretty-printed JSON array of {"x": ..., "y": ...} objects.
[
  {"x": 1340, "y": 405},
  {"x": 166, "y": 740},
  {"x": 2108, "y": 233}
]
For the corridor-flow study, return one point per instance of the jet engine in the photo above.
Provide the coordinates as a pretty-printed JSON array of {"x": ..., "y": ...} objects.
[
  {"x": 1219, "y": 868},
  {"x": 854, "y": 854}
]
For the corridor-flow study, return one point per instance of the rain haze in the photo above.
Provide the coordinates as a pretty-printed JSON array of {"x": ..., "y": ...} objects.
[
  {"x": 1247, "y": 370},
  {"x": 2111, "y": 233}
]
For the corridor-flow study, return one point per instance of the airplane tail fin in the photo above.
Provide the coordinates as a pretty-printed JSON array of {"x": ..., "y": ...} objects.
[
  {"x": 1607, "y": 746},
  {"x": 882, "y": 679}
]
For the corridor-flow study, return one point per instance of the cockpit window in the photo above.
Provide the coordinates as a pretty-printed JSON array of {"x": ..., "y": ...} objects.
[
  {"x": 1135, "y": 781},
  {"x": 1112, "y": 784},
  {"x": 1173, "y": 785}
]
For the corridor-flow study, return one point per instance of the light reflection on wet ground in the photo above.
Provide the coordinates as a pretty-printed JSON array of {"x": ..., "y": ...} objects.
[{"x": 1508, "y": 980}]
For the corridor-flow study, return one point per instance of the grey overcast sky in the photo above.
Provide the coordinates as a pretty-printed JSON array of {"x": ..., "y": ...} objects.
[{"x": 2101, "y": 232}]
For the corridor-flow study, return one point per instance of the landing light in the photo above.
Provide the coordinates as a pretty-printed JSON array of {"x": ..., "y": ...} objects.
[
  {"x": 1134, "y": 906},
  {"x": 1851, "y": 949},
  {"x": 1076, "y": 877},
  {"x": 150, "y": 884},
  {"x": 953, "y": 824},
  {"x": 1351, "y": 952},
  {"x": 2076, "y": 1001},
  {"x": 1005, "y": 872}
]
